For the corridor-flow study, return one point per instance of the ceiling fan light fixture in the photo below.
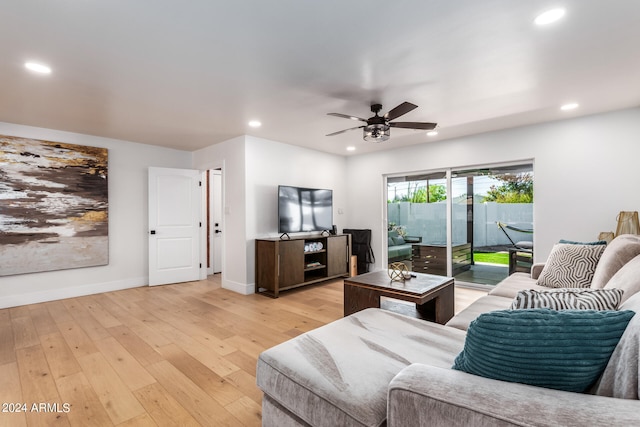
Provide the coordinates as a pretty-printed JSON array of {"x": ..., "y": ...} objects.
[{"x": 376, "y": 132}]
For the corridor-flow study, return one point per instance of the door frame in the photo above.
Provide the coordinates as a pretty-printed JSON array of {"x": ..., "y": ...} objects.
[
  {"x": 205, "y": 230},
  {"x": 210, "y": 219}
]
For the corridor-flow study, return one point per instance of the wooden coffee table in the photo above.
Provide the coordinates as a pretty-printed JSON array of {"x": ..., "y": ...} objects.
[{"x": 433, "y": 295}]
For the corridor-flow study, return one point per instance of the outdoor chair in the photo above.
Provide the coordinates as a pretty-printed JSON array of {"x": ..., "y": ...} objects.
[{"x": 521, "y": 255}]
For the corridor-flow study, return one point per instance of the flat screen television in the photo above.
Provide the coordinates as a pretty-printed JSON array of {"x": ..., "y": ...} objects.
[{"x": 304, "y": 209}]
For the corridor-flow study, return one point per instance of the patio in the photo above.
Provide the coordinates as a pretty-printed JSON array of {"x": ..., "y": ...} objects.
[{"x": 485, "y": 274}]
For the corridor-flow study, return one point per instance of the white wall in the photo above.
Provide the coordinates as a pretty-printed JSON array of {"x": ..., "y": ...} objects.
[
  {"x": 128, "y": 219},
  {"x": 252, "y": 170},
  {"x": 230, "y": 156},
  {"x": 270, "y": 164},
  {"x": 584, "y": 174}
]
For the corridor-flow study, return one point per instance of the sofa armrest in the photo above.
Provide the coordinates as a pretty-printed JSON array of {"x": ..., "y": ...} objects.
[
  {"x": 536, "y": 269},
  {"x": 426, "y": 395}
]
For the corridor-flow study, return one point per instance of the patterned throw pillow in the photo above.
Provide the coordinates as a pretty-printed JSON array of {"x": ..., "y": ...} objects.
[
  {"x": 570, "y": 266},
  {"x": 569, "y": 299},
  {"x": 566, "y": 350}
]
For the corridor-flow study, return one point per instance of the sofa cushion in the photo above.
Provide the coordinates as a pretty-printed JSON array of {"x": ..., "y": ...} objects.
[
  {"x": 618, "y": 252},
  {"x": 564, "y": 350},
  {"x": 627, "y": 279},
  {"x": 320, "y": 377},
  {"x": 398, "y": 240},
  {"x": 570, "y": 266},
  {"x": 621, "y": 378},
  {"x": 479, "y": 306},
  {"x": 513, "y": 284},
  {"x": 568, "y": 299}
]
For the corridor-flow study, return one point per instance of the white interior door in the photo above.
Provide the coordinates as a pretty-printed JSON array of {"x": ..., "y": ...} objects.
[
  {"x": 174, "y": 225},
  {"x": 216, "y": 221}
]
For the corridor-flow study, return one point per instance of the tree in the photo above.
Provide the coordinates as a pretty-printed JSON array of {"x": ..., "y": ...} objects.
[
  {"x": 437, "y": 193},
  {"x": 514, "y": 189}
]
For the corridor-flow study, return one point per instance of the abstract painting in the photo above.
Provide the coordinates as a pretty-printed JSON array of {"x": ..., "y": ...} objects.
[{"x": 53, "y": 206}]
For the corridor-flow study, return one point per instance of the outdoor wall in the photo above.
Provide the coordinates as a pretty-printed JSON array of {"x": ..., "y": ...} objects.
[
  {"x": 583, "y": 174},
  {"x": 429, "y": 220},
  {"x": 128, "y": 222}
]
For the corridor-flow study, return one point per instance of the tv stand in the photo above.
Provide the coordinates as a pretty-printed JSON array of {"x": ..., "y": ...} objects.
[{"x": 283, "y": 264}]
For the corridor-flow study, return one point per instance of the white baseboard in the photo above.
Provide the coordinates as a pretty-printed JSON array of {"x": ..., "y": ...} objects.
[
  {"x": 71, "y": 292},
  {"x": 241, "y": 288}
]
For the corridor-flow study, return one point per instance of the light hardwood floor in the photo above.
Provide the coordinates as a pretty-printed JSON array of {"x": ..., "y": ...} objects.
[{"x": 180, "y": 355}]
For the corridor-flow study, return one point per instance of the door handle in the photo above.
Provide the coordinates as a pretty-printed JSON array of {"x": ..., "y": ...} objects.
[
  {"x": 152, "y": 232},
  {"x": 217, "y": 231}
]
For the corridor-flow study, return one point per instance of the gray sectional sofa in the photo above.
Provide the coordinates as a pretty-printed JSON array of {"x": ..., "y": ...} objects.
[{"x": 377, "y": 368}]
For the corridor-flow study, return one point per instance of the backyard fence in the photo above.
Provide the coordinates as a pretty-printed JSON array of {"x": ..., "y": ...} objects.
[{"x": 428, "y": 220}]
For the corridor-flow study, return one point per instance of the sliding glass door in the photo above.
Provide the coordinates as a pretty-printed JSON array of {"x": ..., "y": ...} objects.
[
  {"x": 489, "y": 212},
  {"x": 494, "y": 213},
  {"x": 417, "y": 220}
]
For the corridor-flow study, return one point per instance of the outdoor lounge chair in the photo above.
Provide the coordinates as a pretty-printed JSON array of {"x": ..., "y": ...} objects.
[{"x": 521, "y": 255}]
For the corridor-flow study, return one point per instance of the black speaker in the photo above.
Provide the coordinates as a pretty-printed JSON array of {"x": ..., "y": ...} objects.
[{"x": 334, "y": 230}]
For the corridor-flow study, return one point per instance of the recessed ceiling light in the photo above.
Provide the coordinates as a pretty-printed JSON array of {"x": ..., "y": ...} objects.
[
  {"x": 38, "y": 68},
  {"x": 571, "y": 106},
  {"x": 549, "y": 16},
  {"x": 432, "y": 133},
  {"x": 351, "y": 148},
  {"x": 255, "y": 124}
]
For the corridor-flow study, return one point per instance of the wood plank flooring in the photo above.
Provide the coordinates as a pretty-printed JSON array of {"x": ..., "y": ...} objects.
[{"x": 174, "y": 355}]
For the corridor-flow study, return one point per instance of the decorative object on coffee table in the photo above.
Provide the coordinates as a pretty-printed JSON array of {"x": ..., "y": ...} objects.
[{"x": 398, "y": 272}]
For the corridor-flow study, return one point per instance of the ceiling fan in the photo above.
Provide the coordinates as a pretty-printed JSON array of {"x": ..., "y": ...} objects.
[{"x": 377, "y": 128}]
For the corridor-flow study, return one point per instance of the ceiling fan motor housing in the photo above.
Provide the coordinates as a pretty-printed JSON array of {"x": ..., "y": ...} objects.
[{"x": 377, "y": 129}]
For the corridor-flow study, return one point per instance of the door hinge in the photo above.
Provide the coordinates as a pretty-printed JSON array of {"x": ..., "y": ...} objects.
[
  {"x": 199, "y": 183},
  {"x": 200, "y": 265},
  {"x": 201, "y": 225}
]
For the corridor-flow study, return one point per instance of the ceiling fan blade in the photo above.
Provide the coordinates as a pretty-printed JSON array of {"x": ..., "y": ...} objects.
[
  {"x": 413, "y": 125},
  {"x": 400, "y": 110},
  {"x": 344, "y": 116},
  {"x": 345, "y": 130}
]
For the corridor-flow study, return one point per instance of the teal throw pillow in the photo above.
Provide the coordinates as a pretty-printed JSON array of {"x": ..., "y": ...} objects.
[
  {"x": 573, "y": 242},
  {"x": 398, "y": 240},
  {"x": 565, "y": 350}
]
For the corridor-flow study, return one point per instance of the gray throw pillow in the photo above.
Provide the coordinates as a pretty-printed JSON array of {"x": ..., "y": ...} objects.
[
  {"x": 569, "y": 299},
  {"x": 570, "y": 266},
  {"x": 627, "y": 279},
  {"x": 619, "y": 252}
]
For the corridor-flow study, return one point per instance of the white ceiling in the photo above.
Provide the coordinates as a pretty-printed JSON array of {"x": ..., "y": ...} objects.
[{"x": 189, "y": 74}]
